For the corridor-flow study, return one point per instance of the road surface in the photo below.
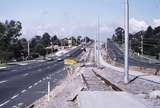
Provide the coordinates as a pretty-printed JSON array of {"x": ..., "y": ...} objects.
[
  {"x": 116, "y": 54},
  {"x": 22, "y": 85}
]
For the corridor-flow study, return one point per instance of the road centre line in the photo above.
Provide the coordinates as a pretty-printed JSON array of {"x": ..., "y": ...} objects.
[
  {"x": 3, "y": 81},
  {"x": 29, "y": 87},
  {"x": 14, "y": 96},
  {"x": 26, "y": 74},
  {"x": 23, "y": 91},
  {"x": 35, "y": 84}
]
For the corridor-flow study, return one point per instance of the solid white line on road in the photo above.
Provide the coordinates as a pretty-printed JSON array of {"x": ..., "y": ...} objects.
[
  {"x": 4, "y": 103},
  {"x": 25, "y": 74},
  {"x": 14, "y": 96},
  {"x": 29, "y": 87},
  {"x": 23, "y": 91},
  {"x": 3, "y": 81}
]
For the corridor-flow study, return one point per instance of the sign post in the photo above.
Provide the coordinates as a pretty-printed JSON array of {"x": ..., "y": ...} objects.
[{"x": 69, "y": 62}]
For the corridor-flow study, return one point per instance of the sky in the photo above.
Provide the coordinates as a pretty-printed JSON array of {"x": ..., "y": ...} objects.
[{"x": 78, "y": 17}]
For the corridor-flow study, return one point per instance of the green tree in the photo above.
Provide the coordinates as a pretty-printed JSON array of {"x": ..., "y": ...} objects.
[
  {"x": 46, "y": 39},
  {"x": 119, "y": 35},
  {"x": 40, "y": 49},
  {"x": 9, "y": 32},
  {"x": 79, "y": 40},
  {"x": 74, "y": 41},
  {"x": 149, "y": 33},
  {"x": 55, "y": 40}
]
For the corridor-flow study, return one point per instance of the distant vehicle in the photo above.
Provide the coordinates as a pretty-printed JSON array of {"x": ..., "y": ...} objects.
[
  {"x": 50, "y": 58},
  {"x": 59, "y": 59},
  {"x": 67, "y": 55}
]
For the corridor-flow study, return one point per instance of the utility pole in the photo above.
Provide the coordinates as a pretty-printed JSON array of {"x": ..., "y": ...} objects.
[
  {"x": 98, "y": 38},
  {"x": 52, "y": 48},
  {"x": 95, "y": 49},
  {"x": 130, "y": 47},
  {"x": 106, "y": 44},
  {"x": 141, "y": 45},
  {"x": 28, "y": 48},
  {"x": 85, "y": 41},
  {"x": 126, "y": 77}
]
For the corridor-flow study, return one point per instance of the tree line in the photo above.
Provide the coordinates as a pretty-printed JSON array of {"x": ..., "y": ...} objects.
[
  {"x": 142, "y": 42},
  {"x": 15, "y": 47}
]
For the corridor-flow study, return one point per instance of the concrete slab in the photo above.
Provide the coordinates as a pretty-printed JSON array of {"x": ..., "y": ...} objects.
[{"x": 103, "y": 99}]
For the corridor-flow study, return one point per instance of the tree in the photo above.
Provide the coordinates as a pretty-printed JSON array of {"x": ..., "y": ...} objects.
[
  {"x": 74, "y": 41},
  {"x": 9, "y": 32},
  {"x": 55, "y": 40},
  {"x": 64, "y": 42},
  {"x": 79, "y": 40},
  {"x": 156, "y": 30},
  {"x": 24, "y": 44},
  {"x": 40, "y": 49},
  {"x": 148, "y": 33},
  {"x": 34, "y": 41},
  {"x": 46, "y": 39},
  {"x": 119, "y": 35}
]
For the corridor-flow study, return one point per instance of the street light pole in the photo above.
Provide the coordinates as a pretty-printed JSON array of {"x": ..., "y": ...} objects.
[
  {"x": 28, "y": 48},
  {"x": 95, "y": 51},
  {"x": 98, "y": 44},
  {"x": 141, "y": 45},
  {"x": 126, "y": 77}
]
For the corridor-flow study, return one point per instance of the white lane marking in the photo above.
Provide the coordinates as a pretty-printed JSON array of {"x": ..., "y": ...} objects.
[
  {"x": 30, "y": 87},
  {"x": 20, "y": 104},
  {"x": 35, "y": 84},
  {"x": 4, "y": 103},
  {"x": 23, "y": 91},
  {"x": 39, "y": 81},
  {"x": 15, "y": 106},
  {"x": 25, "y": 74},
  {"x": 3, "y": 81},
  {"x": 14, "y": 96}
]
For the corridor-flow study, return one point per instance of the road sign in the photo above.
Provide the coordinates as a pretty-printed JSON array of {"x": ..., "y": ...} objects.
[{"x": 69, "y": 61}]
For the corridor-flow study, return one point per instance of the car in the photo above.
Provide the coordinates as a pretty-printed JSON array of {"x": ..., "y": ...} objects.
[
  {"x": 68, "y": 55},
  {"x": 59, "y": 59},
  {"x": 50, "y": 58}
]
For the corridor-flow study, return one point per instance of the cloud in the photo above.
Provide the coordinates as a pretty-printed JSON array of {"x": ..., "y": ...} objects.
[
  {"x": 156, "y": 22},
  {"x": 137, "y": 25}
]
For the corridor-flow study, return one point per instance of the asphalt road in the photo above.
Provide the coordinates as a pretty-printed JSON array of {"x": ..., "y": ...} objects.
[
  {"x": 118, "y": 56},
  {"x": 22, "y": 85}
]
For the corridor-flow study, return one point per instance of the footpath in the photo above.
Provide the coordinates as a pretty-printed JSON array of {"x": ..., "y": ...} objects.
[{"x": 86, "y": 86}]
